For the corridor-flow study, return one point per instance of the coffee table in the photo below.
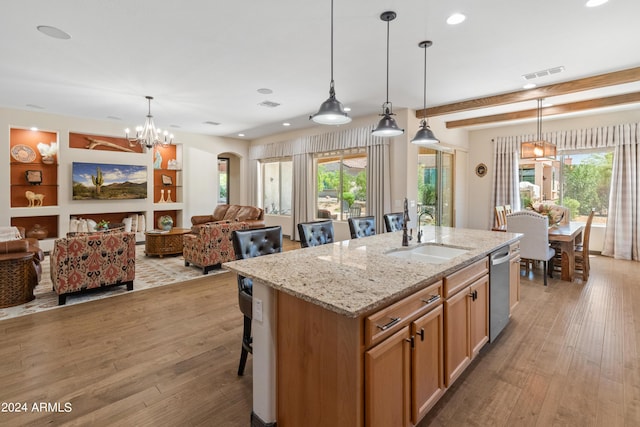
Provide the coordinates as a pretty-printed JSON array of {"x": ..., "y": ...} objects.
[{"x": 163, "y": 243}]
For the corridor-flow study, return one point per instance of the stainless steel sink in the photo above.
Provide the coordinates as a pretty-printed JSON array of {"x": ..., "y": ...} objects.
[{"x": 432, "y": 253}]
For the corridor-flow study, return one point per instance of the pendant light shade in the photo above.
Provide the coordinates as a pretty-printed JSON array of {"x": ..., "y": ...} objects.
[
  {"x": 331, "y": 111},
  {"x": 425, "y": 134},
  {"x": 387, "y": 127}
]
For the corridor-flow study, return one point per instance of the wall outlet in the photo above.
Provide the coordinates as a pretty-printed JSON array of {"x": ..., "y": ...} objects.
[{"x": 257, "y": 309}]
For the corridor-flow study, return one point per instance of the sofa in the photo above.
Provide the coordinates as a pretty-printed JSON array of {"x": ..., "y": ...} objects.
[
  {"x": 20, "y": 271},
  {"x": 209, "y": 244},
  {"x": 92, "y": 261},
  {"x": 252, "y": 216}
]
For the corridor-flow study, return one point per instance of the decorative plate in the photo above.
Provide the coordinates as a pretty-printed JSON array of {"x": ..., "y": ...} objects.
[{"x": 23, "y": 153}]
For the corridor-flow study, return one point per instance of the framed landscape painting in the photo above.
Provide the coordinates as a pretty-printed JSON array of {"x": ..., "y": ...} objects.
[{"x": 108, "y": 182}]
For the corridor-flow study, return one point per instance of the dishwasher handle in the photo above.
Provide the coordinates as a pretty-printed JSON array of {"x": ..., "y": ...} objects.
[{"x": 500, "y": 258}]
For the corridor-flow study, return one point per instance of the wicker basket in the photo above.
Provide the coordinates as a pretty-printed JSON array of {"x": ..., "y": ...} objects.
[{"x": 18, "y": 278}]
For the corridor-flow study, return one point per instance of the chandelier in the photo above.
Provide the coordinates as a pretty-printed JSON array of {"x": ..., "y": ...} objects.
[
  {"x": 149, "y": 135},
  {"x": 538, "y": 149}
]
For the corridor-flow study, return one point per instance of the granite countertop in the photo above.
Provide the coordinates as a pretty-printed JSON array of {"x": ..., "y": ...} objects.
[{"x": 354, "y": 277}]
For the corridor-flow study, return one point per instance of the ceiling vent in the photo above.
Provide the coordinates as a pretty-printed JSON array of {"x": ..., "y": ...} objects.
[
  {"x": 212, "y": 123},
  {"x": 543, "y": 73},
  {"x": 268, "y": 104}
]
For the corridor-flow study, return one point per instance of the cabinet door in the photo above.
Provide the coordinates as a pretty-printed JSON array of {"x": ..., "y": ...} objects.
[
  {"x": 479, "y": 326},
  {"x": 456, "y": 333},
  {"x": 387, "y": 381},
  {"x": 427, "y": 363},
  {"x": 514, "y": 282}
]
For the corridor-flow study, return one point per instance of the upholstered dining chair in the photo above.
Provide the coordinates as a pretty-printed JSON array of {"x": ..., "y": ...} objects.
[
  {"x": 315, "y": 233},
  {"x": 582, "y": 250},
  {"x": 534, "y": 245},
  {"x": 249, "y": 244},
  {"x": 393, "y": 221},
  {"x": 362, "y": 226}
]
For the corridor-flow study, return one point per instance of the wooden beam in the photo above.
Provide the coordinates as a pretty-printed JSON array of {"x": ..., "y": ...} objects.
[
  {"x": 627, "y": 98},
  {"x": 587, "y": 83}
]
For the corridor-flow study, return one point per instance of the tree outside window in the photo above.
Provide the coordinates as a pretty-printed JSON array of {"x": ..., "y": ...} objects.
[{"x": 586, "y": 184}]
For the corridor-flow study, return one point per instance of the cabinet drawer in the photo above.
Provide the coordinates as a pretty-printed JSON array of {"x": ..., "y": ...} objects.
[
  {"x": 463, "y": 277},
  {"x": 514, "y": 249},
  {"x": 385, "y": 322}
]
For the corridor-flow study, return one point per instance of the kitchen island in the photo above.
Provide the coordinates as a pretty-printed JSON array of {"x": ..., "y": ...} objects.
[{"x": 321, "y": 315}]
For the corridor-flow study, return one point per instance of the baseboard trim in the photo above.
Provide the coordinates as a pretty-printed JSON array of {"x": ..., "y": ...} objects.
[{"x": 256, "y": 421}]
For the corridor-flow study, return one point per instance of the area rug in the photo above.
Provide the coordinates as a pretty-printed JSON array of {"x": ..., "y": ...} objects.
[{"x": 150, "y": 272}]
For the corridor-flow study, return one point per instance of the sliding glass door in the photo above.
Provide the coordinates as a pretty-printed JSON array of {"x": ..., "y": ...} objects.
[{"x": 435, "y": 187}]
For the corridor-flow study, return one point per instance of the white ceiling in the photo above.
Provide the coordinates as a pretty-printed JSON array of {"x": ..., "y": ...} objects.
[{"x": 204, "y": 60}]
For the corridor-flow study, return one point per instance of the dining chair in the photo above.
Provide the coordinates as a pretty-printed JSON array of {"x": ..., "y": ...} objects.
[
  {"x": 393, "y": 221},
  {"x": 582, "y": 250},
  {"x": 362, "y": 226},
  {"x": 534, "y": 244},
  {"x": 507, "y": 210},
  {"x": 249, "y": 244},
  {"x": 315, "y": 233},
  {"x": 501, "y": 216}
]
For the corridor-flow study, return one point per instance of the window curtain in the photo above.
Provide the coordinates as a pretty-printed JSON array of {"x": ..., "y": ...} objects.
[
  {"x": 303, "y": 196},
  {"x": 505, "y": 179},
  {"x": 253, "y": 176},
  {"x": 622, "y": 240},
  {"x": 378, "y": 183}
]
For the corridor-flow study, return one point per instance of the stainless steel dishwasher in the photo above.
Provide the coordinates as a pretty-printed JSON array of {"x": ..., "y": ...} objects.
[{"x": 498, "y": 291}]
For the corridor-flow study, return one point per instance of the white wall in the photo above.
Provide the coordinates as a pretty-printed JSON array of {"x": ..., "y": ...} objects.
[{"x": 200, "y": 183}]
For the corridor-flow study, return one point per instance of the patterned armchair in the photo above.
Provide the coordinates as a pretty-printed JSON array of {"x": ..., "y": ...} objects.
[
  {"x": 210, "y": 244},
  {"x": 91, "y": 261}
]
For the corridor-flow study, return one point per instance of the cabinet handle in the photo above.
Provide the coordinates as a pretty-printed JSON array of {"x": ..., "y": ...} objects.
[
  {"x": 432, "y": 298},
  {"x": 411, "y": 341},
  {"x": 386, "y": 326},
  {"x": 473, "y": 295},
  {"x": 421, "y": 333}
]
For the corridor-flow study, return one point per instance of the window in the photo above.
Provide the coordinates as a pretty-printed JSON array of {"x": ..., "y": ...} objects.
[
  {"x": 223, "y": 180},
  {"x": 277, "y": 177},
  {"x": 586, "y": 181},
  {"x": 341, "y": 184}
]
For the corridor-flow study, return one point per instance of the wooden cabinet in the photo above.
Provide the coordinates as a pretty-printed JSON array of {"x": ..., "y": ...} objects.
[
  {"x": 427, "y": 363},
  {"x": 466, "y": 317},
  {"x": 404, "y": 372},
  {"x": 388, "y": 381},
  {"x": 514, "y": 276}
]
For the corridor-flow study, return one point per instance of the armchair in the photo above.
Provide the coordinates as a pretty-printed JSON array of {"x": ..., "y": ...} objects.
[
  {"x": 209, "y": 245},
  {"x": 92, "y": 261}
]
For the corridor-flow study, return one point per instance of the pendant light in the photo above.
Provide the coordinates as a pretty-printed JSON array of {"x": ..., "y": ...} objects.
[
  {"x": 425, "y": 134},
  {"x": 539, "y": 149},
  {"x": 331, "y": 111},
  {"x": 387, "y": 127}
]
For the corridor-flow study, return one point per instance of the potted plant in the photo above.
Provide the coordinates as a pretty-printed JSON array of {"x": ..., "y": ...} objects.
[
  {"x": 165, "y": 222},
  {"x": 102, "y": 225}
]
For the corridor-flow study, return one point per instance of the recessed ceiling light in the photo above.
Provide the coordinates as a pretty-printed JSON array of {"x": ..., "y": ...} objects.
[
  {"x": 286, "y": 124},
  {"x": 456, "y": 18},
  {"x": 35, "y": 129},
  {"x": 265, "y": 91},
  {"x": 241, "y": 134},
  {"x": 529, "y": 86},
  {"x": 347, "y": 109},
  {"x": 595, "y": 3},
  {"x": 54, "y": 32}
]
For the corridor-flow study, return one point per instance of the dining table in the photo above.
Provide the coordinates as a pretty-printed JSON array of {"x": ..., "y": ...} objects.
[{"x": 565, "y": 237}]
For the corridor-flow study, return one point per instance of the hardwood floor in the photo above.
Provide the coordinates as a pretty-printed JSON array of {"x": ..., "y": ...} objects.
[{"x": 168, "y": 356}]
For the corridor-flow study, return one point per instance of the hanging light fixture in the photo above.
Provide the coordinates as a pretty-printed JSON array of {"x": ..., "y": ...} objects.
[
  {"x": 331, "y": 111},
  {"x": 387, "y": 127},
  {"x": 539, "y": 149},
  {"x": 425, "y": 134},
  {"x": 149, "y": 135}
]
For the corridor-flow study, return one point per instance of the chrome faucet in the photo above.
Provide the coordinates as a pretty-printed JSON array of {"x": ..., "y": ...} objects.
[
  {"x": 405, "y": 218},
  {"x": 423, "y": 212}
]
